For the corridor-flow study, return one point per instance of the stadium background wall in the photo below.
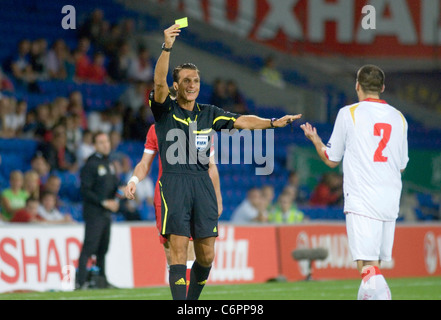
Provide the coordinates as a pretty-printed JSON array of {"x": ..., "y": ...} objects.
[{"x": 35, "y": 257}]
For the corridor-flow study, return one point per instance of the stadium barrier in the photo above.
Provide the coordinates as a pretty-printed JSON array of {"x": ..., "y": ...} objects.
[{"x": 43, "y": 257}]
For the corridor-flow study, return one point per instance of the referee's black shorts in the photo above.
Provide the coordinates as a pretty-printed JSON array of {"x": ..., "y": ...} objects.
[{"x": 188, "y": 205}]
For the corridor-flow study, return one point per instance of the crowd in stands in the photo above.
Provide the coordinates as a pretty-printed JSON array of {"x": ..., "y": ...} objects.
[
  {"x": 104, "y": 53},
  {"x": 260, "y": 204}
]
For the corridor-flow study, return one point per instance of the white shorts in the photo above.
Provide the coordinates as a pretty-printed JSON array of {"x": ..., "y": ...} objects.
[{"x": 369, "y": 239}]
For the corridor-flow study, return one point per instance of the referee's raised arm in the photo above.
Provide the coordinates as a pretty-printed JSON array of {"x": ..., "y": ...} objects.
[{"x": 162, "y": 65}]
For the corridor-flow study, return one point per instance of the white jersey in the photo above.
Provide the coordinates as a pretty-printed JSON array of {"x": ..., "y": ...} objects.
[{"x": 372, "y": 137}]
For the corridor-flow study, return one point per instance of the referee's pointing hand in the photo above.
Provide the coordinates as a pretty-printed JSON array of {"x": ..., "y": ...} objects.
[{"x": 284, "y": 121}]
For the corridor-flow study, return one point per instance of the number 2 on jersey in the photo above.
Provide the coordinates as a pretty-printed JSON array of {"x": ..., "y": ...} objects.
[{"x": 386, "y": 128}]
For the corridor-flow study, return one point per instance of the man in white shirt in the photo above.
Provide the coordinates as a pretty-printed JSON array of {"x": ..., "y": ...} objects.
[{"x": 371, "y": 138}]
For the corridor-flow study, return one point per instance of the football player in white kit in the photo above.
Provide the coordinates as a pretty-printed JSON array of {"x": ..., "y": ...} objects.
[{"x": 371, "y": 138}]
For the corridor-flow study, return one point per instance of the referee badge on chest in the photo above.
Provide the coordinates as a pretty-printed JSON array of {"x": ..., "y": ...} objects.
[{"x": 201, "y": 142}]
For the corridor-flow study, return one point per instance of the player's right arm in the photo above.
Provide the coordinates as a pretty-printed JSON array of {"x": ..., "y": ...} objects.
[
  {"x": 311, "y": 134},
  {"x": 140, "y": 172},
  {"x": 162, "y": 65}
]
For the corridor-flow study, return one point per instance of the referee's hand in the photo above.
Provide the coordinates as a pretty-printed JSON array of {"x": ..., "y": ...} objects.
[
  {"x": 170, "y": 35},
  {"x": 284, "y": 121}
]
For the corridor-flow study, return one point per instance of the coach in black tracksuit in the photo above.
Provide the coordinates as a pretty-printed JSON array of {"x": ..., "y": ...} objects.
[{"x": 99, "y": 184}]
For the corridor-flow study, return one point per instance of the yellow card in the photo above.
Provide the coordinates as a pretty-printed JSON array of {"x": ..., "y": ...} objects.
[{"x": 182, "y": 22}]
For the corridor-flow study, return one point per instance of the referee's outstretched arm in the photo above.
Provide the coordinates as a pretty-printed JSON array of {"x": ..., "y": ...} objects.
[{"x": 252, "y": 122}]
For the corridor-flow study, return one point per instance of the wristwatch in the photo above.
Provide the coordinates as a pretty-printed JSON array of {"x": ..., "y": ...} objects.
[
  {"x": 165, "y": 49},
  {"x": 272, "y": 122}
]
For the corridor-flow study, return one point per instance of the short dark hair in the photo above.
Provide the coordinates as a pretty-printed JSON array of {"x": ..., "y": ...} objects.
[
  {"x": 371, "y": 79},
  {"x": 187, "y": 65}
]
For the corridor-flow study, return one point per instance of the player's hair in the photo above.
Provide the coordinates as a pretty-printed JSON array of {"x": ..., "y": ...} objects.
[
  {"x": 187, "y": 65},
  {"x": 371, "y": 79}
]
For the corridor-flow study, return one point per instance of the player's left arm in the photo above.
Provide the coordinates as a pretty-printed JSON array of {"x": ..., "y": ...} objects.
[
  {"x": 253, "y": 122},
  {"x": 214, "y": 175},
  {"x": 311, "y": 134}
]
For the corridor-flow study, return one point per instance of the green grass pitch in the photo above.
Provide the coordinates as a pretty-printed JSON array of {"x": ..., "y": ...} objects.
[{"x": 427, "y": 288}]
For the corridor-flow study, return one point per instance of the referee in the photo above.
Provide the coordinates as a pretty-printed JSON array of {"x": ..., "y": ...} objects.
[
  {"x": 99, "y": 184},
  {"x": 189, "y": 206}
]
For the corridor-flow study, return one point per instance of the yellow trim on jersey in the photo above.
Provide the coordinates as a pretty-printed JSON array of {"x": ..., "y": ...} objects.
[
  {"x": 203, "y": 131},
  {"x": 166, "y": 209},
  {"x": 404, "y": 121},
  {"x": 185, "y": 121},
  {"x": 180, "y": 120},
  {"x": 352, "y": 110},
  {"x": 224, "y": 118}
]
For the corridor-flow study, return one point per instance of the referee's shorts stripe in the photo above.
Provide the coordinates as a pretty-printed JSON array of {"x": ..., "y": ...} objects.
[{"x": 164, "y": 222}]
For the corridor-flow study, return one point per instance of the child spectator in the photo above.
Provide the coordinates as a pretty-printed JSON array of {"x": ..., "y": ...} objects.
[
  {"x": 29, "y": 213},
  {"x": 14, "y": 197},
  {"x": 48, "y": 209}
]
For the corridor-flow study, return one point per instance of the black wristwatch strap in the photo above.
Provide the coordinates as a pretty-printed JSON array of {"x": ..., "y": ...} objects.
[
  {"x": 165, "y": 49},
  {"x": 272, "y": 122}
]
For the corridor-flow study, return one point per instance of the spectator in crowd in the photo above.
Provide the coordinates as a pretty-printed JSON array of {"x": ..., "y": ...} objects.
[
  {"x": 59, "y": 108},
  {"x": 301, "y": 191},
  {"x": 30, "y": 126},
  {"x": 94, "y": 27},
  {"x": 58, "y": 60},
  {"x": 44, "y": 123},
  {"x": 128, "y": 30},
  {"x": 14, "y": 197},
  {"x": 56, "y": 152},
  {"x": 268, "y": 196},
  {"x": 21, "y": 66},
  {"x": 141, "y": 66},
  {"x": 119, "y": 63},
  {"x": 115, "y": 143},
  {"x": 53, "y": 185},
  {"x": 237, "y": 102},
  {"x": 96, "y": 72},
  {"x": 12, "y": 116},
  {"x": 329, "y": 191},
  {"x": 48, "y": 209},
  {"x": 99, "y": 120},
  {"x": 40, "y": 165},
  {"x": 111, "y": 38},
  {"x": 6, "y": 84},
  {"x": 269, "y": 73},
  {"x": 251, "y": 209},
  {"x": 134, "y": 96},
  {"x": 285, "y": 211},
  {"x": 219, "y": 96},
  {"x": 86, "y": 148},
  {"x": 141, "y": 123},
  {"x": 29, "y": 213},
  {"x": 81, "y": 59},
  {"x": 31, "y": 183},
  {"x": 38, "y": 58},
  {"x": 76, "y": 106},
  {"x": 74, "y": 132}
]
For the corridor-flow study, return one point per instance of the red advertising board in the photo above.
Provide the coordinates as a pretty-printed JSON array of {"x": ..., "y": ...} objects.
[
  {"x": 243, "y": 254},
  {"x": 34, "y": 257},
  {"x": 416, "y": 252}
]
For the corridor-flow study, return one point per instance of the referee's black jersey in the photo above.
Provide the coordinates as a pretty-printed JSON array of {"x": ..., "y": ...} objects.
[{"x": 185, "y": 137}]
